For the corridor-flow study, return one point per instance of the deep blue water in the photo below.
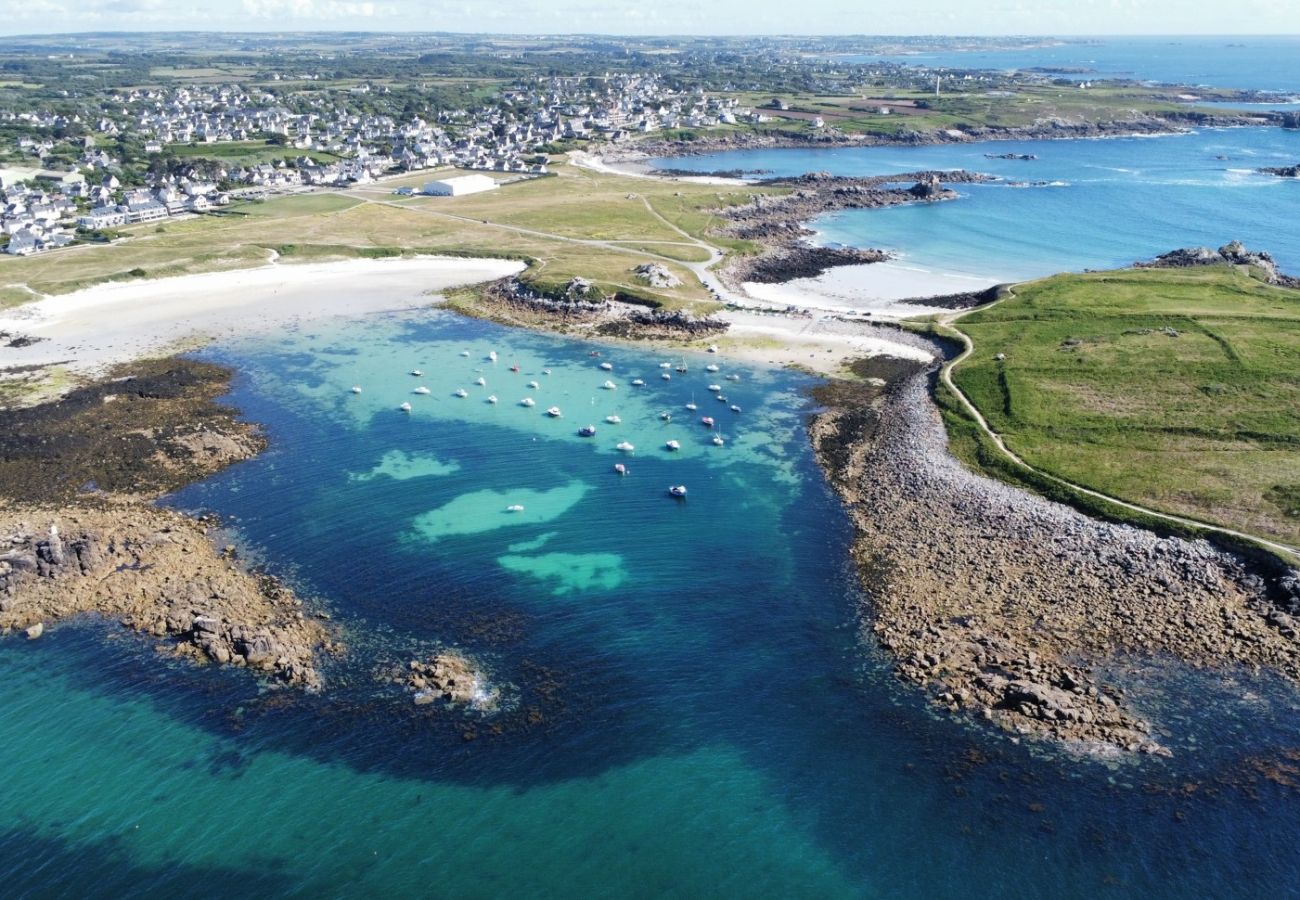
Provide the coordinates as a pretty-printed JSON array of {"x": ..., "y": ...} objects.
[
  {"x": 1109, "y": 202},
  {"x": 708, "y": 720},
  {"x": 1248, "y": 63}
]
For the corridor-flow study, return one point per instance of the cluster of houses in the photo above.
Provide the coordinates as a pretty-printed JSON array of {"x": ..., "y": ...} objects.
[
  {"x": 38, "y": 215},
  {"x": 328, "y": 145}
]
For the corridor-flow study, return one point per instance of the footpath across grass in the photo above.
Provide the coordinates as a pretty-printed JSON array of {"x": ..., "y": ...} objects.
[{"x": 1177, "y": 389}]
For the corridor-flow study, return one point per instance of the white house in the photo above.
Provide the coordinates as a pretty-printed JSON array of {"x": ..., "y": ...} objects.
[{"x": 460, "y": 185}]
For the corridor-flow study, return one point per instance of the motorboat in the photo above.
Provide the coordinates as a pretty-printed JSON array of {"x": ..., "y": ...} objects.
[
  {"x": 625, "y": 446},
  {"x": 610, "y": 386},
  {"x": 715, "y": 387},
  {"x": 420, "y": 390},
  {"x": 665, "y": 365},
  {"x": 666, "y": 377},
  {"x": 735, "y": 408},
  {"x": 677, "y": 490},
  {"x": 620, "y": 468},
  {"x": 673, "y": 445},
  {"x": 637, "y": 382},
  {"x": 464, "y": 353},
  {"x": 527, "y": 401},
  {"x": 533, "y": 385},
  {"x": 515, "y": 507},
  {"x": 405, "y": 407},
  {"x": 722, "y": 398},
  {"x": 613, "y": 420},
  {"x": 607, "y": 366},
  {"x": 711, "y": 367},
  {"x": 713, "y": 348},
  {"x": 356, "y": 388},
  {"x": 666, "y": 416},
  {"x": 733, "y": 377},
  {"x": 707, "y": 421},
  {"x": 587, "y": 431},
  {"x": 554, "y": 412},
  {"x": 546, "y": 371},
  {"x": 462, "y": 393},
  {"x": 481, "y": 381},
  {"x": 492, "y": 398},
  {"x": 417, "y": 373}
]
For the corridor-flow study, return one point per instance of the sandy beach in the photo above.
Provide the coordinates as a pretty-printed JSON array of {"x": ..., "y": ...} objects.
[
  {"x": 877, "y": 289},
  {"x": 634, "y": 169},
  {"x": 91, "y": 329},
  {"x": 823, "y": 344}
]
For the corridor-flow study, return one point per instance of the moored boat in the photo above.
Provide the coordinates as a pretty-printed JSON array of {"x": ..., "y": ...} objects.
[
  {"x": 420, "y": 390},
  {"x": 607, "y": 366},
  {"x": 625, "y": 446},
  {"x": 527, "y": 401},
  {"x": 492, "y": 398},
  {"x": 356, "y": 388},
  {"x": 515, "y": 507},
  {"x": 715, "y": 387},
  {"x": 707, "y": 421},
  {"x": 637, "y": 382},
  {"x": 610, "y": 386},
  {"x": 620, "y": 468},
  {"x": 554, "y": 412},
  {"x": 672, "y": 445},
  {"x": 677, "y": 490},
  {"x": 612, "y": 419},
  {"x": 417, "y": 373},
  {"x": 481, "y": 381},
  {"x": 462, "y": 393},
  {"x": 711, "y": 367},
  {"x": 533, "y": 385},
  {"x": 405, "y": 407},
  {"x": 587, "y": 431}
]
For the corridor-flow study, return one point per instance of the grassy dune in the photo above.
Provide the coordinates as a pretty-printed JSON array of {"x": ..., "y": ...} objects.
[{"x": 1175, "y": 389}]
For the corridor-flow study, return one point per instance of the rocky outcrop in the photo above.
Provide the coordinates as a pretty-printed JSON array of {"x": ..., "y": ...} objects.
[
  {"x": 78, "y": 535},
  {"x": 1281, "y": 171},
  {"x": 450, "y": 678},
  {"x": 641, "y": 324},
  {"x": 1234, "y": 253},
  {"x": 157, "y": 572},
  {"x": 778, "y": 221},
  {"x": 656, "y": 275},
  {"x": 1012, "y": 608}
]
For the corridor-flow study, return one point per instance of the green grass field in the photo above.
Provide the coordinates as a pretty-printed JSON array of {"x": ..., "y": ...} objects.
[
  {"x": 628, "y": 215},
  {"x": 1175, "y": 389}
]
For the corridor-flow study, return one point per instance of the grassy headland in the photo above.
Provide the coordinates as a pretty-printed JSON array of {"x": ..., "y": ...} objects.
[{"x": 1178, "y": 390}]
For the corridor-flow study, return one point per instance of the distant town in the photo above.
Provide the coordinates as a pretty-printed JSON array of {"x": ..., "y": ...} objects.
[{"x": 93, "y": 139}]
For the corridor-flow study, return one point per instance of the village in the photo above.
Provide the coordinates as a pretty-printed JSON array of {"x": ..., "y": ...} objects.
[{"x": 50, "y": 207}]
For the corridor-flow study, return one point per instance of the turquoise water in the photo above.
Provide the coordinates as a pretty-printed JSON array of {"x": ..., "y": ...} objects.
[
  {"x": 1109, "y": 202},
  {"x": 690, "y": 710},
  {"x": 1248, "y": 63}
]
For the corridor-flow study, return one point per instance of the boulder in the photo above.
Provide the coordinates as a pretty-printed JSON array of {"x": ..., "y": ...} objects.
[{"x": 35, "y": 631}]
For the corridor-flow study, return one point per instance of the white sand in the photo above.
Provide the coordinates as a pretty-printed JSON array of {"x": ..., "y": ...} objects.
[
  {"x": 633, "y": 169},
  {"x": 874, "y": 289},
  {"x": 111, "y": 323},
  {"x": 821, "y": 343}
]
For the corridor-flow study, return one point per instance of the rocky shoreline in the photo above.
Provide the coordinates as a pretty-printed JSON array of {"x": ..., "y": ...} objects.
[
  {"x": 1051, "y": 129},
  {"x": 777, "y": 222},
  {"x": 1015, "y": 611},
  {"x": 79, "y": 534},
  {"x": 1233, "y": 253}
]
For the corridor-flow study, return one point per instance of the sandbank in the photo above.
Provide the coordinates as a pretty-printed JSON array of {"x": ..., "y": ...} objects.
[{"x": 877, "y": 288}]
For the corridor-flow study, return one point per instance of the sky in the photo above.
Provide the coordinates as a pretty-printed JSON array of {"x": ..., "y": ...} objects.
[{"x": 964, "y": 17}]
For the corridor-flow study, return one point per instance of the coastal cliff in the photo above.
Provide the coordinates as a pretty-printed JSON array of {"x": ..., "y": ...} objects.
[{"x": 1010, "y": 607}]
